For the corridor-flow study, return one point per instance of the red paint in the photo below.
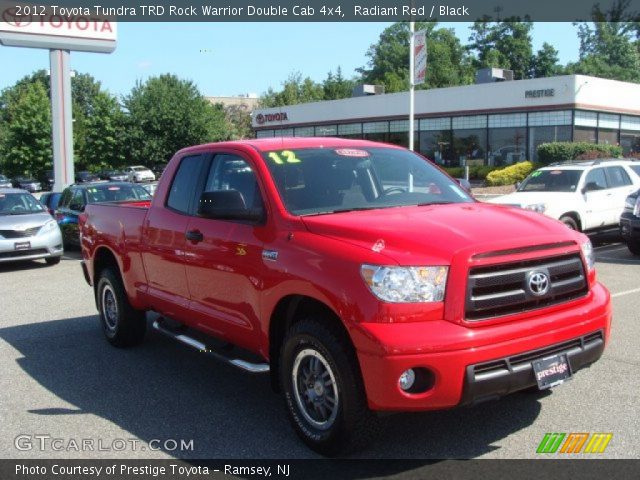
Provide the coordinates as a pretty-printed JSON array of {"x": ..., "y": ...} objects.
[{"x": 223, "y": 285}]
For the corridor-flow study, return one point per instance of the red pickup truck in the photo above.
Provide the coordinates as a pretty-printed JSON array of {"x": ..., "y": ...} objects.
[{"x": 359, "y": 275}]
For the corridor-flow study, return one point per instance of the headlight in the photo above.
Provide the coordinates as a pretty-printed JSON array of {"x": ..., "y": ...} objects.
[
  {"x": 50, "y": 225},
  {"x": 589, "y": 255},
  {"x": 536, "y": 207},
  {"x": 406, "y": 284}
]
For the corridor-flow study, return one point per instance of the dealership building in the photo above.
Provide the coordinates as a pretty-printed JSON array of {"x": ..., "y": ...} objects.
[{"x": 492, "y": 123}]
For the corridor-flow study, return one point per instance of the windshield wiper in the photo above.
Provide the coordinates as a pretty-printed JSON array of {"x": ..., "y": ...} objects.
[
  {"x": 340, "y": 210},
  {"x": 439, "y": 202}
]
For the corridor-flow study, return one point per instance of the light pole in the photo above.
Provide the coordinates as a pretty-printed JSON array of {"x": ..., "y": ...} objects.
[{"x": 411, "y": 83}]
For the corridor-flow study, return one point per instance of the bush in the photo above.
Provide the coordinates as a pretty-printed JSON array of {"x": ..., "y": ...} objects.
[
  {"x": 455, "y": 172},
  {"x": 635, "y": 155},
  {"x": 563, "y": 151},
  {"x": 511, "y": 174},
  {"x": 479, "y": 172}
]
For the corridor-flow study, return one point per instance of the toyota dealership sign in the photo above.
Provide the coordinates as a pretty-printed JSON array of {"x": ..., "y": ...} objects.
[{"x": 31, "y": 26}]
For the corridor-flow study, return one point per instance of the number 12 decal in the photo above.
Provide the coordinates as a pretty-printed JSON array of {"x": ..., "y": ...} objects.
[{"x": 289, "y": 157}]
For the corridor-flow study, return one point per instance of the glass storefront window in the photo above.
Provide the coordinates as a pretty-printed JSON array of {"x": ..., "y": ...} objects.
[
  {"x": 304, "y": 131},
  {"x": 436, "y": 145},
  {"x": 607, "y": 137},
  {"x": 350, "y": 130},
  {"x": 540, "y": 135},
  {"x": 630, "y": 142},
  {"x": 327, "y": 131},
  {"x": 584, "y": 134},
  {"x": 507, "y": 146},
  {"x": 285, "y": 132},
  {"x": 543, "y": 119},
  {"x": 264, "y": 133},
  {"x": 469, "y": 144},
  {"x": 586, "y": 119}
]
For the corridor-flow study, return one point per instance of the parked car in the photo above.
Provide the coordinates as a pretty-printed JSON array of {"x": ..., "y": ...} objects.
[
  {"x": 358, "y": 275},
  {"x": 86, "y": 177},
  {"x": 158, "y": 168},
  {"x": 139, "y": 173},
  {"x": 50, "y": 200},
  {"x": 47, "y": 179},
  {"x": 113, "y": 175},
  {"x": 630, "y": 222},
  {"x": 150, "y": 187},
  {"x": 29, "y": 184},
  {"x": 75, "y": 198},
  {"x": 27, "y": 231},
  {"x": 5, "y": 182},
  {"x": 584, "y": 196}
]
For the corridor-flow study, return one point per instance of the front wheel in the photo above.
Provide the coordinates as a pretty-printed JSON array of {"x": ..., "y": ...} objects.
[
  {"x": 52, "y": 260},
  {"x": 569, "y": 222},
  {"x": 123, "y": 325},
  {"x": 323, "y": 389}
]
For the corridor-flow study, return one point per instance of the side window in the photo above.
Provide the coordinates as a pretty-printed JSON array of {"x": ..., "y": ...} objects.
[
  {"x": 64, "y": 199},
  {"x": 597, "y": 176},
  {"x": 77, "y": 201},
  {"x": 618, "y": 177},
  {"x": 231, "y": 172},
  {"x": 185, "y": 184}
]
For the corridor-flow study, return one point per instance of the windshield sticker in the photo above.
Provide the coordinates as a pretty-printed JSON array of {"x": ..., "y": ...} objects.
[
  {"x": 289, "y": 157},
  {"x": 378, "y": 246},
  {"x": 114, "y": 188},
  {"x": 555, "y": 172},
  {"x": 535, "y": 174},
  {"x": 352, "y": 152}
]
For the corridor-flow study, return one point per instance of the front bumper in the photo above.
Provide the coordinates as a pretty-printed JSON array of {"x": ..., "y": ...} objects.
[
  {"x": 452, "y": 351},
  {"x": 630, "y": 227},
  {"x": 42, "y": 245}
]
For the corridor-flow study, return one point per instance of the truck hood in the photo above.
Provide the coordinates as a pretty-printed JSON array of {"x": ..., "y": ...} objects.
[{"x": 433, "y": 235}]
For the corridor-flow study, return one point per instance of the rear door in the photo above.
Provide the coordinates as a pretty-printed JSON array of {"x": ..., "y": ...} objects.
[
  {"x": 224, "y": 260},
  {"x": 621, "y": 186},
  {"x": 597, "y": 198},
  {"x": 164, "y": 236}
]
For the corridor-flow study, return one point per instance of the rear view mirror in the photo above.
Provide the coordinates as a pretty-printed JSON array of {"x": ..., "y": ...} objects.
[{"x": 227, "y": 205}]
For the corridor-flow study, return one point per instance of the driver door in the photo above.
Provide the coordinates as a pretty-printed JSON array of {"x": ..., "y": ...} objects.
[{"x": 596, "y": 195}]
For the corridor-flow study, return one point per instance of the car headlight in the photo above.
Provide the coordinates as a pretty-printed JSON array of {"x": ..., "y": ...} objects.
[
  {"x": 50, "y": 225},
  {"x": 406, "y": 284},
  {"x": 589, "y": 254},
  {"x": 536, "y": 207}
]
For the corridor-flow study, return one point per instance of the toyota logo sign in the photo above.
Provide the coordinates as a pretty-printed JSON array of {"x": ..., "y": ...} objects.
[
  {"x": 538, "y": 283},
  {"x": 9, "y": 16}
]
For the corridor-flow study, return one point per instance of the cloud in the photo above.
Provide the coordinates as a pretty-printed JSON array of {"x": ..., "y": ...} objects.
[{"x": 144, "y": 64}]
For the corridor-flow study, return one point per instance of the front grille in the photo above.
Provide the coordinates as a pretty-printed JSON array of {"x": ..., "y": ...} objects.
[
  {"x": 23, "y": 253},
  {"x": 503, "y": 289},
  {"x": 517, "y": 362},
  {"x": 29, "y": 232}
]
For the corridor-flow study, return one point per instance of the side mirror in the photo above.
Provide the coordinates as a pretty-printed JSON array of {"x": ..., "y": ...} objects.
[
  {"x": 227, "y": 205},
  {"x": 464, "y": 183}
]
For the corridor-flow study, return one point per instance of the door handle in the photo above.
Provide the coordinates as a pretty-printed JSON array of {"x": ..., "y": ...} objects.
[{"x": 194, "y": 236}]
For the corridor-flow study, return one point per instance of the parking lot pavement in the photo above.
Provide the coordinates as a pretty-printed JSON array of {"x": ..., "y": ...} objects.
[{"x": 60, "y": 378}]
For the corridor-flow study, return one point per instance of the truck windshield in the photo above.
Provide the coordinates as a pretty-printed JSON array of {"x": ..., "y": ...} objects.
[
  {"x": 551, "y": 181},
  {"x": 317, "y": 181}
]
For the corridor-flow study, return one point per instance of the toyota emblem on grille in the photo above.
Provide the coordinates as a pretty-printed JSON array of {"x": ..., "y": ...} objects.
[{"x": 539, "y": 283}]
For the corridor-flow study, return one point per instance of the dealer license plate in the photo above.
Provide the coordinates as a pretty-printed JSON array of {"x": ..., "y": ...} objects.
[
  {"x": 552, "y": 371},
  {"x": 22, "y": 245}
]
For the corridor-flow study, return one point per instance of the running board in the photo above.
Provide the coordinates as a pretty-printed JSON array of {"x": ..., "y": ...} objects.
[{"x": 198, "y": 345}]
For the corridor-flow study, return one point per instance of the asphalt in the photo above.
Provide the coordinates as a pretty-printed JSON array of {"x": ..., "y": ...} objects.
[{"x": 60, "y": 378}]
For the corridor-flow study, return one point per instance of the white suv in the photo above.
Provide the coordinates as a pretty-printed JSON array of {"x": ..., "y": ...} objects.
[
  {"x": 138, "y": 173},
  {"x": 584, "y": 195}
]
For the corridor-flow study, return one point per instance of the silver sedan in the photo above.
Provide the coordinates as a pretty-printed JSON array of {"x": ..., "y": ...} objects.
[{"x": 27, "y": 231}]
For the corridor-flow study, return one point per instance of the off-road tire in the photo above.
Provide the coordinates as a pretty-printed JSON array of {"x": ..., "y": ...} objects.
[
  {"x": 123, "y": 325},
  {"x": 354, "y": 425}
]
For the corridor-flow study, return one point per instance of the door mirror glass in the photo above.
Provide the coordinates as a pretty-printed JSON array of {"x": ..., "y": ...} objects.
[{"x": 590, "y": 187}]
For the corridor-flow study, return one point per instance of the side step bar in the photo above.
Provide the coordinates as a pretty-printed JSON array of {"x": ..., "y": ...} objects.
[{"x": 193, "y": 343}]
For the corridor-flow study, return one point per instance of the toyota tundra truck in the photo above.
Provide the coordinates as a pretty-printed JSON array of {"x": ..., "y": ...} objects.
[{"x": 358, "y": 275}]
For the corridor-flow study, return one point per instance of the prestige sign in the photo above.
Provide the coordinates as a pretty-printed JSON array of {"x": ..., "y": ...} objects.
[{"x": 40, "y": 27}]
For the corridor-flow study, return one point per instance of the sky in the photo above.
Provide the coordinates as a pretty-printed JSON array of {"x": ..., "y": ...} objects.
[{"x": 225, "y": 59}]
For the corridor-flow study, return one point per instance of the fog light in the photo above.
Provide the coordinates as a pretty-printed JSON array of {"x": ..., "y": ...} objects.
[{"x": 407, "y": 379}]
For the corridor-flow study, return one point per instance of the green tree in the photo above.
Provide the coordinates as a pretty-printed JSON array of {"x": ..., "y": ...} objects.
[
  {"x": 165, "y": 114},
  {"x": 609, "y": 46},
  {"x": 336, "y": 86},
  {"x": 505, "y": 44},
  {"x": 238, "y": 119},
  {"x": 104, "y": 133},
  {"x": 26, "y": 117},
  {"x": 545, "y": 62},
  {"x": 447, "y": 64},
  {"x": 294, "y": 90}
]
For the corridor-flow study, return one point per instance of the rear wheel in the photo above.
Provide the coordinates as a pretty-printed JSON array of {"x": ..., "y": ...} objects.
[
  {"x": 634, "y": 246},
  {"x": 323, "y": 389},
  {"x": 569, "y": 222},
  {"x": 123, "y": 325}
]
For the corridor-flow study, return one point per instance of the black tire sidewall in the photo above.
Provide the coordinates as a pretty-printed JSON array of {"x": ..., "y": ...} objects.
[
  {"x": 312, "y": 435},
  {"x": 107, "y": 279},
  {"x": 570, "y": 223}
]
